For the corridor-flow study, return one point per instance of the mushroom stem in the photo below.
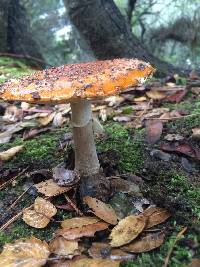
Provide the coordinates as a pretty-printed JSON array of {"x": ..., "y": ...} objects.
[{"x": 86, "y": 160}]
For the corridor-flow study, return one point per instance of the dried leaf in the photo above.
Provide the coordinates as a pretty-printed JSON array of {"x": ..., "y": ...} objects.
[
  {"x": 44, "y": 207},
  {"x": 64, "y": 177},
  {"x": 155, "y": 95},
  {"x": 194, "y": 263},
  {"x": 35, "y": 219},
  {"x": 154, "y": 130},
  {"x": 78, "y": 222},
  {"x": 47, "y": 119},
  {"x": 196, "y": 133},
  {"x": 62, "y": 247},
  {"x": 193, "y": 75},
  {"x": 122, "y": 118},
  {"x": 140, "y": 99},
  {"x": 58, "y": 119},
  {"x": 93, "y": 263},
  {"x": 49, "y": 188},
  {"x": 155, "y": 216},
  {"x": 86, "y": 230},
  {"x": 176, "y": 97},
  {"x": 5, "y": 137},
  {"x": 31, "y": 252},
  {"x": 174, "y": 137},
  {"x": 101, "y": 210},
  {"x": 10, "y": 153},
  {"x": 33, "y": 132},
  {"x": 146, "y": 243},
  {"x": 127, "y": 230},
  {"x": 105, "y": 251},
  {"x": 183, "y": 148},
  {"x": 195, "y": 90}
]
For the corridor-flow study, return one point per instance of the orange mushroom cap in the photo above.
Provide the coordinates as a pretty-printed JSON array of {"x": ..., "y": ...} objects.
[{"x": 72, "y": 82}]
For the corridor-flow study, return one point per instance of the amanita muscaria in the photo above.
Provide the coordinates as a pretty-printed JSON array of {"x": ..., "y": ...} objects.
[{"x": 77, "y": 84}]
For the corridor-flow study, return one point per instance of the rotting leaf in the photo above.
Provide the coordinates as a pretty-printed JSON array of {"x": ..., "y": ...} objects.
[
  {"x": 155, "y": 216},
  {"x": 146, "y": 243},
  {"x": 101, "y": 210},
  {"x": 10, "y": 153},
  {"x": 176, "y": 97},
  {"x": 127, "y": 230},
  {"x": 64, "y": 177},
  {"x": 47, "y": 119},
  {"x": 44, "y": 207},
  {"x": 62, "y": 247},
  {"x": 86, "y": 230},
  {"x": 31, "y": 252},
  {"x": 105, "y": 251},
  {"x": 93, "y": 263},
  {"x": 154, "y": 130},
  {"x": 49, "y": 188},
  {"x": 40, "y": 216},
  {"x": 79, "y": 222},
  {"x": 155, "y": 95}
]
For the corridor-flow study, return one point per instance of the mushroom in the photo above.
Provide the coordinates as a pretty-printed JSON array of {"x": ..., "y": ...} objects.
[{"x": 77, "y": 84}]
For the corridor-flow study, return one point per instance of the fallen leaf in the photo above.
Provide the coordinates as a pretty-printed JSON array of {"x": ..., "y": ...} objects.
[
  {"x": 196, "y": 133},
  {"x": 40, "y": 216},
  {"x": 49, "y": 188},
  {"x": 85, "y": 230},
  {"x": 58, "y": 119},
  {"x": 195, "y": 90},
  {"x": 5, "y": 137},
  {"x": 101, "y": 210},
  {"x": 140, "y": 99},
  {"x": 62, "y": 247},
  {"x": 93, "y": 263},
  {"x": 122, "y": 118},
  {"x": 155, "y": 216},
  {"x": 154, "y": 130},
  {"x": 146, "y": 243},
  {"x": 155, "y": 95},
  {"x": 127, "y": 230},
  {"x": 193, "y": 75},
  {"x": 194, "y": 263},
  {"x": 174, "y": 137},
  {"x": 10, "y": 153},
  {"x": 30, "y": 252},
  {"x": 12, "y": 114},
  {"x": 64, "y": 177},
  {"x": 124, "y": 186},
  {"x": 47, "y": 119},
  {"x": 33, "y": 132},
  {"x": 35, "y": 219},
  {"x": 78, "y": 222},
  {"x": 44, "y": 207},
  {"x": 105, "y": 251},
  {"x": 176, "y": 97},
  {"x": 183, "y": 148}
]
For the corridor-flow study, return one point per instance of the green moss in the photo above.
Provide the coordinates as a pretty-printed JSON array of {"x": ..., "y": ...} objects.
[
  {"x": 127, "y": 147},
  {"x": 41, "y": 151}
]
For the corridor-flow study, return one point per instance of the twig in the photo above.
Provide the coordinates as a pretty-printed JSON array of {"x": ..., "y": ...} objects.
[
  {"x": 73, "y": 205},
  {"x": 172, "y": 247},
  {"x": 14, "y": 218},
  {"x": 25, "y": 57},
  {"x": 12, "y": 179}
]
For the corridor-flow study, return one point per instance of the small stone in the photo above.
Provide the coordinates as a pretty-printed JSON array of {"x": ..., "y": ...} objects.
[{"x": 159, "y": 154}]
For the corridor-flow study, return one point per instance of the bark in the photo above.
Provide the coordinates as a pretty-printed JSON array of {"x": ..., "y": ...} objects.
[{"x": 108, "y": 33}]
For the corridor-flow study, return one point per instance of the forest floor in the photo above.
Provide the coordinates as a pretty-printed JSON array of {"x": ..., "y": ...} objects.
[{"x": 163, "y": 159}]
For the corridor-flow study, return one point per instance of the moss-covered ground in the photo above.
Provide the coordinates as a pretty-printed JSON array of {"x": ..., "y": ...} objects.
[{"x": 165, "y": 183}]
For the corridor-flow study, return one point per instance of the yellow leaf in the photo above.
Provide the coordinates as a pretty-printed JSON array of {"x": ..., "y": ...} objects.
[
  {"x": 49, "y": 188},
  {"x": 78, "y": 222},
  {"x": 10, "y": 153},
  {"x": 31, "y": 252},
  {"x": 127, "y": 230},
  {"x": 62, "y": 247}
]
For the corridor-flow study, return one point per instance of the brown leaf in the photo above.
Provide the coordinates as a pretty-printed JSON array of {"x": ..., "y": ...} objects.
[
  {"x": 49, "y": 188},
  {"x": 176, "y": 97},
  {"x": 35, "y": 219},
  {"x": 146, "y": 243},
  {"x": 10, "y": 153},
  {"x": 154, "y": 130},
  {"x": 127, "y": 230},
  {"x": 93, "y": 263},
  {"x": 194, "y": 263},
  {"x": 124, "y": 186},
  {"x": 86, "y": 230},
  {"x": 155, "y": 95},
  {"x": 101, "y": 210},
  {"x": 105, "y": 251},
  {"x": 33, "y": 132},
  {"x": 183, "y": 148},
  {"x": 47, "y": 119},
  {"x": 31, "y": 252},
  {"x": 193, "y": 75},
  {"x": 78, "y": 222},
  {"x": 62, "y": 247},
  {"x": 64, "y": 177},
  {"x": 196, "y": 133},
  {"x": 155, "y": 216},
  {"x": 44, "y": 207}
]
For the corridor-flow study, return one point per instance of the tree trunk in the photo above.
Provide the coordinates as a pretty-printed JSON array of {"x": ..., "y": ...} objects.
[
  {"x": 108, "y": 33},
  {"x": 3, "y": 24}
]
